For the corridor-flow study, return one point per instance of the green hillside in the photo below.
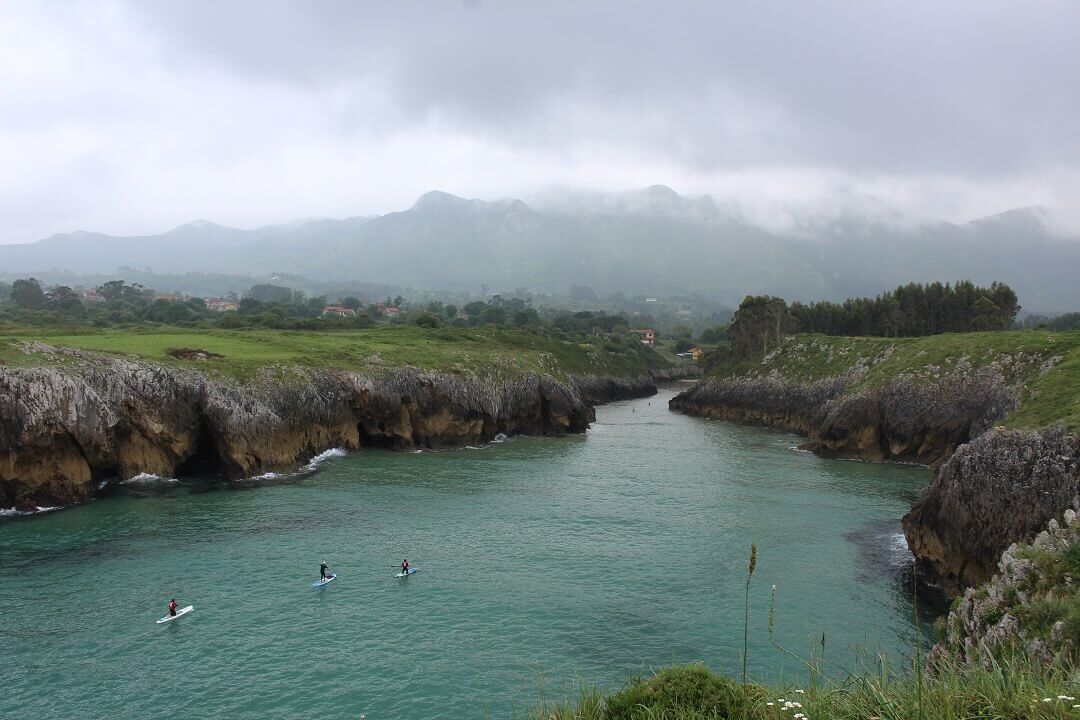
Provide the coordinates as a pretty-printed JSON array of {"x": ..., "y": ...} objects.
[
  {"x": 487, "y": 352},
  {"x": 1045, "y": 364}
]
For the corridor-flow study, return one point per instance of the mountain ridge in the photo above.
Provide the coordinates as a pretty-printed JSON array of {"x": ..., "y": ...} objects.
[{"x": 652, "y": 240}]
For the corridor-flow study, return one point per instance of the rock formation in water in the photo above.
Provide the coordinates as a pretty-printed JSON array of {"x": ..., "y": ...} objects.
[
  {"x": 64, "y": 429},
  {"x": 990, "y": 489}
]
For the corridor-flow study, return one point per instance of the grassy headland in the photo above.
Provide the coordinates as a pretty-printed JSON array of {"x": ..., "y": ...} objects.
[
  {"x": 1046, "y": 365},
  {"x": 485, "y": 351}
]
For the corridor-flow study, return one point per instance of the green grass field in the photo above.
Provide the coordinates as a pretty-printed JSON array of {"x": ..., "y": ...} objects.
[
  {"x": 1045, "y": 364},
  {"x": 488, "y": 352}
]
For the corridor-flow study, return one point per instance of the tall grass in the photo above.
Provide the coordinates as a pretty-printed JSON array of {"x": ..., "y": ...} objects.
[{"x": 1007, "y": 686}]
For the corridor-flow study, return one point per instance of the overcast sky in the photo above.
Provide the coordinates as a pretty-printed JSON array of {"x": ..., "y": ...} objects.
[{"x": 134, "y": 117}]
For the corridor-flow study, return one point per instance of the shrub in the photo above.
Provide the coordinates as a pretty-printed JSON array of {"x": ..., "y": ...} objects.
[
  {"x": 687, "y": 689},
  {"x": 992, "y": 614}
]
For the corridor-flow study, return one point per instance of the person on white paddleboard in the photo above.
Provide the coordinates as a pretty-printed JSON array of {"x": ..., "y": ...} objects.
[
  {"x": 324, "y": 570},
  {"x": 404, "y": 567},
  {"x": 172, "y": 607}
]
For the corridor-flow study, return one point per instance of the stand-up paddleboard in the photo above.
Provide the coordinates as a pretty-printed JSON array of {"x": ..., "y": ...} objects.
[
  {"x": 321, "y": 582},
  {"x": 411, "y": 571},
  {"x": 179, "y": 614}
]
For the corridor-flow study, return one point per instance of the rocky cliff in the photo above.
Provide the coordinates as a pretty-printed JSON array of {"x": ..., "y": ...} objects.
[
  {"x": 1032, "y": 603},
  {"x": 1001, "y": 487},
  {"x": 65, "y": 428},
  {"x": 870, "y": 400},
  {"x": 901, "y": 420}
]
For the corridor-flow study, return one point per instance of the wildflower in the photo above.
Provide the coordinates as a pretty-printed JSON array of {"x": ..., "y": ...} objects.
[
  {"x": 801, "y": 692},
  {"x": 770, "y": 704}
]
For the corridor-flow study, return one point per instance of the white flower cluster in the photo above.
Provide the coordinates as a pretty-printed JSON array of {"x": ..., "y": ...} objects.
[{"x": 792, "y": 706}]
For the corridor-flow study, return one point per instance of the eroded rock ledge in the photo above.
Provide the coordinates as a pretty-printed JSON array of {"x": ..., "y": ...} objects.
[
  {"x": 901, "y": 421},
  {"x": 62, "y": 430},
  {"x": 991, "y": 487}
]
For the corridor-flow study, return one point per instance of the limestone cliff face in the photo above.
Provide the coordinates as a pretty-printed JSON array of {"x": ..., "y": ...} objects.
[
  {"x": 1003, "y": 487},
  {"x": 64, "y": 429},
  {"x": 901, "y": 421},
  {"x": 990, "y": 489},
  {"x": 1027, "y": 604}
]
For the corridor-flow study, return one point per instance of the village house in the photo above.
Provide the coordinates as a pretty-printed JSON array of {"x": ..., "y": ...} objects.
[
  {"x": 388, "y": 310},
  {"x": 647, "y": 335},
  {"x": 694, "y": 353},
  {"x": 221, "y": 305},
  {"x": 337, "y": 311}
]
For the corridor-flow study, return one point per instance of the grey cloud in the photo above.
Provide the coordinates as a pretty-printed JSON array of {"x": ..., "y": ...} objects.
[
  {"x": 965, "y": 87},
  {"x": 129, "y": 116}
]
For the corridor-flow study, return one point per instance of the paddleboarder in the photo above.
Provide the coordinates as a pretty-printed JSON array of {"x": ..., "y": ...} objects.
[
  {"x": 172, "y": 607},
  {"x": 324, "y": 570},
  {"x": 404, "y": 567}
]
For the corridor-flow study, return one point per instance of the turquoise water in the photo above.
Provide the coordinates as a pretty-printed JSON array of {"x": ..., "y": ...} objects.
[{"x": 541, "y": 561}]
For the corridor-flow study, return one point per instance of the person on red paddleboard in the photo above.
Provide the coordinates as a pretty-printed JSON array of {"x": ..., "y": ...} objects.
[{"x": 172, "y": 607}]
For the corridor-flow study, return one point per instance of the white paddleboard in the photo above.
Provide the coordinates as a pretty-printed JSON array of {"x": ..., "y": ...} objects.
[
  {"x": 179, "y": 614},
  {"x": 411, "y": 571},
  {"x": 320, "y": 583}
]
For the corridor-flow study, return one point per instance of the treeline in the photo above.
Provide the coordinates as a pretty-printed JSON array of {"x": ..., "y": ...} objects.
[
  {"x": 118, "y": 303},
  {"x": 912, "y": 310},
  {"x": 1068, "y": 321}
]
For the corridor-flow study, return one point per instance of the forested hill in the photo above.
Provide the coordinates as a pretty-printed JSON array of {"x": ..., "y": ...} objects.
[{"x": 652, "y": 241}]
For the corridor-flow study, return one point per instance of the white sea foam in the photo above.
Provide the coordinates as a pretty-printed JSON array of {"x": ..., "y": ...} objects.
[
  {"x": 271, "y": 476},
  {"x": 311, "y": 466},
  {"x": 13, "y": 512},
  {"x": 322, "y": 457},
  {"x": 146, "y": 478},
  {"x": 899, "y": 544},
  {"x": 501, "y": 437}
]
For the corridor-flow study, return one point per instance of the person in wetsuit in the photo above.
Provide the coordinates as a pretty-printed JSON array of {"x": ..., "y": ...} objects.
[
  {"x": 324, "y": 570},
  {"x": 172, "y": 607}
]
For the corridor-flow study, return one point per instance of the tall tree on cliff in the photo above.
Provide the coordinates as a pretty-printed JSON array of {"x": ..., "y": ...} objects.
[{"x": 760, "y": 324}]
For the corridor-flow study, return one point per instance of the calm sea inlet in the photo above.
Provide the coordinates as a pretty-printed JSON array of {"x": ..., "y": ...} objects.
[{"x": 542, "y": 563}]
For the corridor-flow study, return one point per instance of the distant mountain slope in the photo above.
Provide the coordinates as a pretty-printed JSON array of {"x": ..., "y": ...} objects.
[{"x": 648, "y": 241}]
